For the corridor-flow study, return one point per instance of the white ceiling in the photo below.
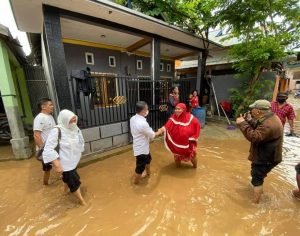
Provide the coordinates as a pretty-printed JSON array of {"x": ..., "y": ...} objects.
[
  {"x": 72, "y": 29},
  {"x": 82, "y": 31}
]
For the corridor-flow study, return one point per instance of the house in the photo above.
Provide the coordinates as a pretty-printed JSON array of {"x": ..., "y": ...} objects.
[
  {"x": 292, "y": 67},
  {"x": 99, "y": 58},
  {"x": 15, "y": 109},
  {"x": 220, "y": 71}
]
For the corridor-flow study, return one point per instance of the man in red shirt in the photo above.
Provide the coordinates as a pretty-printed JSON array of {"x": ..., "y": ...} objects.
[{"x": 284, "y": 111}]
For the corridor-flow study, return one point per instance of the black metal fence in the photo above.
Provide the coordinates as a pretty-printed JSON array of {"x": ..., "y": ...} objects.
[
  {"x": 36, "y": 85},
  {"x": 105, "y": 99}
]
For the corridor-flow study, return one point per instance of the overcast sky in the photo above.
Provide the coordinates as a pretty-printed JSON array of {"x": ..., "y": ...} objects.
[{"x": 7, "y": 19}]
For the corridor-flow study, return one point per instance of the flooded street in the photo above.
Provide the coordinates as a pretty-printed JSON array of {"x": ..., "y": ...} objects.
[{"x": 214, "y": 199}]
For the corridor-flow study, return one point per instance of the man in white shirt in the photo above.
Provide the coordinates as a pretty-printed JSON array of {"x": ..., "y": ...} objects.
[
  {"x": 142, "y": 134},
  {"x": 42, "y": 125}
]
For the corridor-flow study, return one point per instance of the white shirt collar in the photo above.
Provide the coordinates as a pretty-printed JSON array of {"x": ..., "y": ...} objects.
[{"x": 140, "y": 116}]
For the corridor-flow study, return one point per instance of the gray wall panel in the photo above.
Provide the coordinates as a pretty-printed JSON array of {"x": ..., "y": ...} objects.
[{"x": 75, "y": 57}]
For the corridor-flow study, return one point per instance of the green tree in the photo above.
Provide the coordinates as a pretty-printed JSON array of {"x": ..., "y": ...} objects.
[
  {"x": 195, "y": 16},
  {"x": 267, "y": 30}
]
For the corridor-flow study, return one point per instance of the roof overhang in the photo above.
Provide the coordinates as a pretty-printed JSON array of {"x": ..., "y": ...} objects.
[
  {"x": 14, "y": 45},
  {"x": 29, "y": 18}
]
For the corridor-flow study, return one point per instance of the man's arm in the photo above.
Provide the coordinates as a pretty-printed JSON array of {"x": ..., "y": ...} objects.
[
  {"x": 148, "y": 131},
  {"x": 290, "y": 117},
  {"x": 291, "y": 123},
  {"x": 260, "y": 134},
  {"x": 37, "y": 135}
]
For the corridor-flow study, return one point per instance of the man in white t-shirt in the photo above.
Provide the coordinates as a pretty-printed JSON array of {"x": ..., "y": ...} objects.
[
  {"x": 142, "y": 134},
  {"x": 42, "y": 125}
]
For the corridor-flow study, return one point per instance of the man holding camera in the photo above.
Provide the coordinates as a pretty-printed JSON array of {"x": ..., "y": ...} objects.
[{"x": 265, "y": 132}]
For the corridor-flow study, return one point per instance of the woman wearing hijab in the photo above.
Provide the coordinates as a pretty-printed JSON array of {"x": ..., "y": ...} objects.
[
  {"x": 180, "y": 135},
  {"x": 68, "y": 137}
]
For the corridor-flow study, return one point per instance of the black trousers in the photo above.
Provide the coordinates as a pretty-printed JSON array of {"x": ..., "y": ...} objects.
[{"x": 259, "y": 172}]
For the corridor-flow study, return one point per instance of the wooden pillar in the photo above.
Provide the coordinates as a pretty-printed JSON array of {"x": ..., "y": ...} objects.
[
  {"x": 199, "y": 72},
  {"x": 286, "y": 87},
  {"x": 276, "y": 87}
]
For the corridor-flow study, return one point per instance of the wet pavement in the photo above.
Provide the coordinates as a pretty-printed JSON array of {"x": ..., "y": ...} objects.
[{"x": 214, "y": 199}]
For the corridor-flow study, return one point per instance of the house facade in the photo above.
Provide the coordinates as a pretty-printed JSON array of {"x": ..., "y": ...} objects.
[{"x": 99, "y": 58}]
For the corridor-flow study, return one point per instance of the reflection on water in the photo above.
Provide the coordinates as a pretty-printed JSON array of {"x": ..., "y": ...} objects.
[
  {"x": 291, "y": 147},
  {"x": 214, "y": 199}
]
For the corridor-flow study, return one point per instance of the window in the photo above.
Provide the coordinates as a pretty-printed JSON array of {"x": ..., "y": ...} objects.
[
  {"x": 89, "y": 58},
  {"x": 106, "y": 90},
  {"x": 112, "y": 61},
  {"x": 139, "y": 64},
  {"x": 161, "y": 66},
  {"x": 168, "y": 67}
]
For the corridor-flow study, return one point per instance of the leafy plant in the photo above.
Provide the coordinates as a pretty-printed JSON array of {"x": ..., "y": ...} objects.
[{"x": 267, "y": 30}]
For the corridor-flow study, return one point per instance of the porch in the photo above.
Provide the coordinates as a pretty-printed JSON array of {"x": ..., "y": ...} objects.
[{"x": 130, "y": 57}]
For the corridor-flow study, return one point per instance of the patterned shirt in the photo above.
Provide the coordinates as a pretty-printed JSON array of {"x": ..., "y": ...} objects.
[{"x": 286, "y": 111}]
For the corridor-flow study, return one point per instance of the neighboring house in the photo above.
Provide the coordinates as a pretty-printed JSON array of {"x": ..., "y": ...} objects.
[
  {"x": 15, "y": 105},
  {"x": 130, "y": 57},
  {"x": 219, "y": 67},
  {"x": 293, "y": 73}
]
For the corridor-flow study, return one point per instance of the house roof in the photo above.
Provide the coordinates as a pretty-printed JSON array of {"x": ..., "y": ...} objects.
[
  {"x": 221, "y": 36},
  {"x": 13, "y": 44},
  {"x": 29, "y": 18}
]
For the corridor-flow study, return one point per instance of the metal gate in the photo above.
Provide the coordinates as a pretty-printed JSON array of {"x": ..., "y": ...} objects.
[
  {"x": 156, "y": 94},
  {"x": 101, "y": 99},
  {"x": 36, "y": 84}
]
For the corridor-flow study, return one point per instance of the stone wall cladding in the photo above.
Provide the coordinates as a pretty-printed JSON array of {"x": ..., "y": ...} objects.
[
  {"x": 106, "y": 137},
  {"x": 125, "y": 127},
  {"x": 120, "y": 140},
  {"x": 101, "y": 144},
  {"x": 87, "y": 148},
  {"x": 91, "y": 134},
  {"x": 110, "y": 130}
]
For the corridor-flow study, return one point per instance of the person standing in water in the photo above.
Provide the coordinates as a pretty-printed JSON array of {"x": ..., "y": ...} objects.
[
  {"x": 42, "y": 125},
  {"x": 265, "y": 132},
  {"x": 173, "y": 100},
  {"x": 194, "y": 100},
  {"x": 71, "y": 144},
  {"x": 142, "y": 134},
  {"x": 181, "y": 133},
  {"x": 284, "y": 111}
]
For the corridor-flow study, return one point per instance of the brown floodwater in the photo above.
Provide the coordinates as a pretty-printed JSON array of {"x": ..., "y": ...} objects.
[{"x": 214, "y": 199}]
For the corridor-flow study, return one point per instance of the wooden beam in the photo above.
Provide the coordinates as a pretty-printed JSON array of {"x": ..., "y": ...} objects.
[
  {"x": 287, "y": 84},
  {"x": 276, "y": 87},
  {"x": 138, "y": 44},
  {"x": 186, "y": 55},
  {"x": 111, "y": 47}
]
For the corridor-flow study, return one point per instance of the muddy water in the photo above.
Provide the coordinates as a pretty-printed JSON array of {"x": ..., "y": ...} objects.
[
  {"x": 211, "y": 200},
  {"x": 214, "y": 199}
]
